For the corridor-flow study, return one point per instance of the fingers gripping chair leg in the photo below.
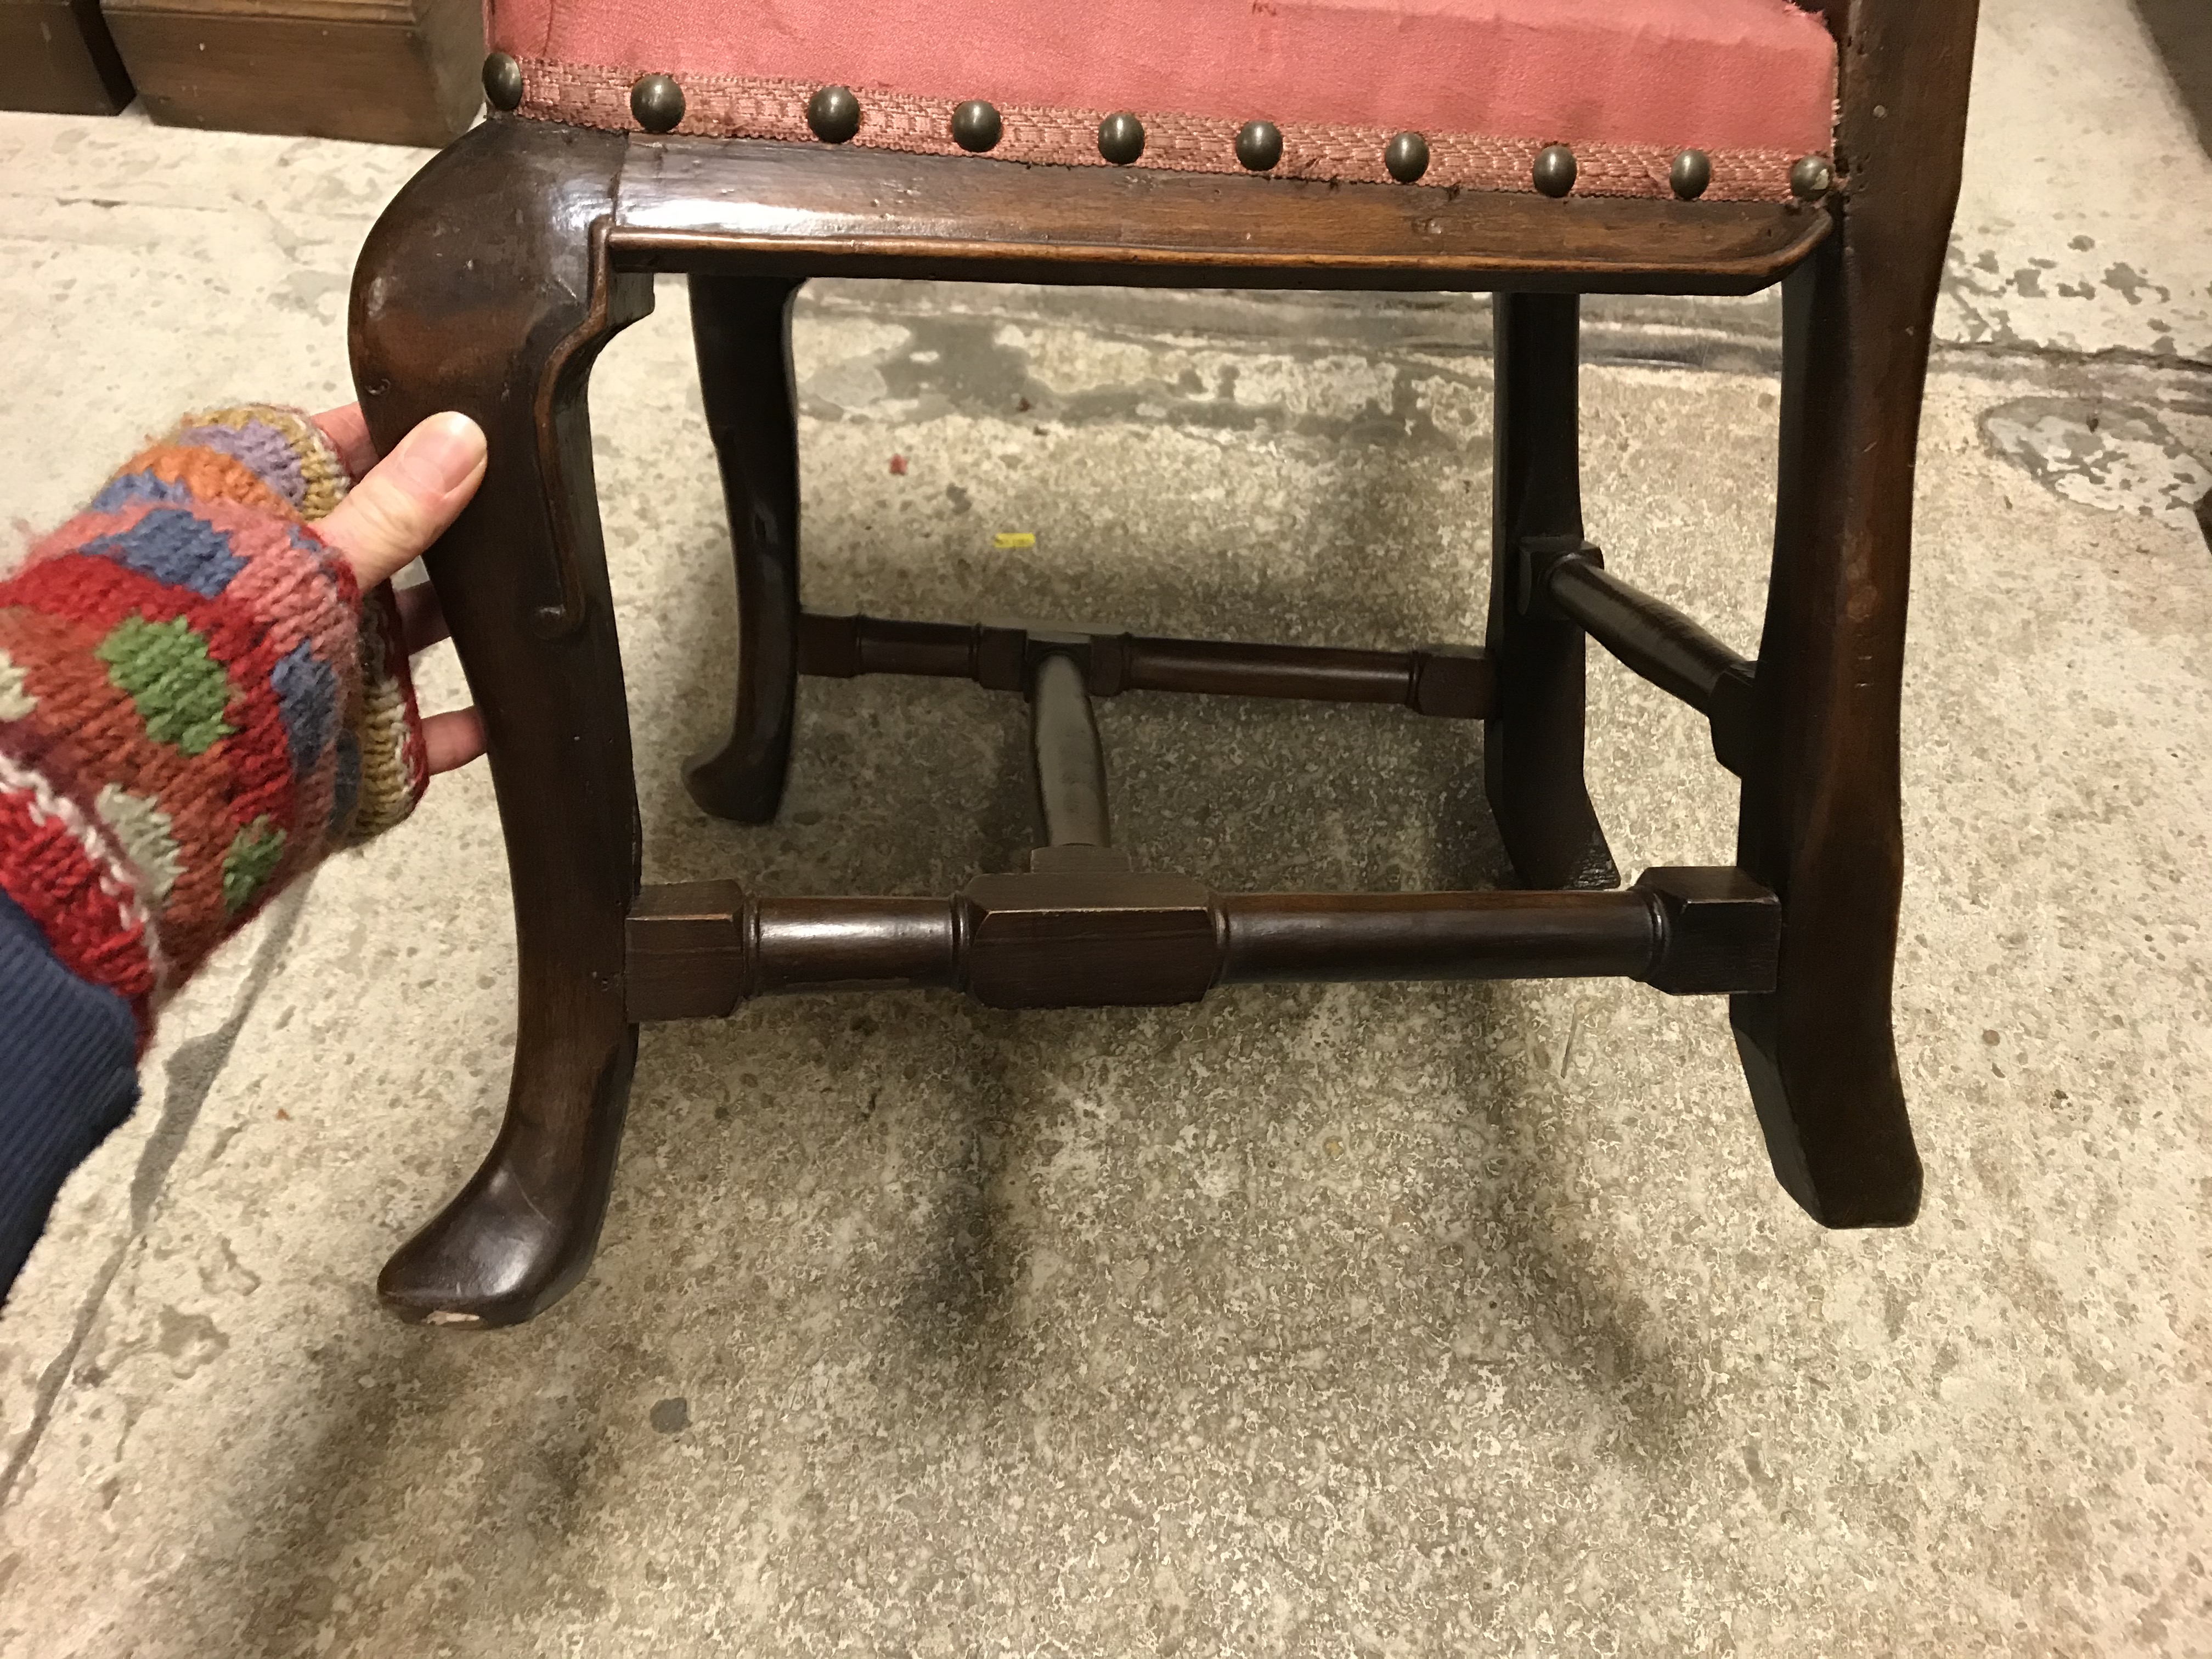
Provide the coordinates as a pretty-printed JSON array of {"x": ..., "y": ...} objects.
[{"x": 480, "y": 290}]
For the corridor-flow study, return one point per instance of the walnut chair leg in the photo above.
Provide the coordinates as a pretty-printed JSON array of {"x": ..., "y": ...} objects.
[
  {"x": 1820, "y": 822},
  {"x": 481, "y": 289},
  {"x": 742, "y": 326},
  {"x": 1532, "y": 744}
]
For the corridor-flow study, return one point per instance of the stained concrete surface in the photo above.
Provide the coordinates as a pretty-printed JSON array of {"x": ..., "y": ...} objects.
[{"x": 1379, "y": 1320}]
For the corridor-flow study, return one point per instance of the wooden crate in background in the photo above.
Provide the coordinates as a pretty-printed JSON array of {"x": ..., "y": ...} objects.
[{"x": 389, "y": 72}]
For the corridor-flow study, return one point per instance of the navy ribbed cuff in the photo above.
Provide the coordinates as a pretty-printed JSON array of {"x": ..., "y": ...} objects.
[{"x": 67, "y": 1076}]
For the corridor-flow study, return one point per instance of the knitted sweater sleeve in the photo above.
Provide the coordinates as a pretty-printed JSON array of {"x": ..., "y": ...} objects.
[{"x": 196, "y": 706}]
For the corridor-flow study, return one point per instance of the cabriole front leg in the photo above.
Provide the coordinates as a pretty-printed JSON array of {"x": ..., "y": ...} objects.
[{"x": 481, "y": 289}]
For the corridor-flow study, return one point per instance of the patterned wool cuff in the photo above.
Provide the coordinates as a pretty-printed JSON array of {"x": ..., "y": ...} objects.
[{"x": 194, "y": 703}]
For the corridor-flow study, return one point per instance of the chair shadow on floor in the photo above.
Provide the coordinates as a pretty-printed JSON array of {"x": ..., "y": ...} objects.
[
  {"x": 1384, "y": 799},
  {"x": 904, "y": 786}
]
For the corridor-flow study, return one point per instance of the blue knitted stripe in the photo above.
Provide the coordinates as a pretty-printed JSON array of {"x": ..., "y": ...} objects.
[
  {"x": 308, "y": 698},
  {"x": 126, "y": 487},
  {"x": 176, "y": 546}
]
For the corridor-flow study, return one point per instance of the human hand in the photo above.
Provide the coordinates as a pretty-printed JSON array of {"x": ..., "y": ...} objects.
[{"x": 397, "y": 508}]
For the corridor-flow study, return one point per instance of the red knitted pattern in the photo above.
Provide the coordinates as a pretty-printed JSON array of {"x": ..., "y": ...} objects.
[
  {"x": 753, "y": 106},
  {"x": 192, "y": 708},
  {"x": 69, "y": 879}
]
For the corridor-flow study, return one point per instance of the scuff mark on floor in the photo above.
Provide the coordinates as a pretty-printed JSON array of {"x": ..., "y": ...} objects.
[
  {"x": 2132, "y": 285},
  {"x": 2122, "y": 457}
]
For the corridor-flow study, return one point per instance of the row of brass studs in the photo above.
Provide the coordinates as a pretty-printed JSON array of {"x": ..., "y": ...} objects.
[{"x": 833, "y": 114}]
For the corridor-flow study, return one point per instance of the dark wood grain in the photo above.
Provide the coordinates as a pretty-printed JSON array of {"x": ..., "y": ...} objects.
[
  {"x": 1449, "y": 681},
  {"x": 1272, "y": 939},
  {"x": 380, "y": 71},
  {"x": 56, "y": 57},
  {"x": 741, "y": 327},
  {"x": 1070, "y": 762},
  {"x": 696, "y": 949},
  {"x": 1719, "y": 931},
  {"x": 1103, "y": 936},
  {"x": 774, "y": 208},
  {"x": 1820, "y": 823},
  {"x": 479, "y": 290},
  {"x": 1097, "y": 938},
  {"x": 1532, "y": 743},
  {"x": 1655, "y": 640}
]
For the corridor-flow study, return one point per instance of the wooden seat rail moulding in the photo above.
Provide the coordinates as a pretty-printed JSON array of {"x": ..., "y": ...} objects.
[
  {"x": 1449, "y": 680},
  {"x": 772, "y": 209}
]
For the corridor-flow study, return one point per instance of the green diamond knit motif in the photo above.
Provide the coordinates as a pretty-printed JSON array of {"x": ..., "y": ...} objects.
[
  {"x": 247, "y": 864},
  {"x": 180, "y": 691}
]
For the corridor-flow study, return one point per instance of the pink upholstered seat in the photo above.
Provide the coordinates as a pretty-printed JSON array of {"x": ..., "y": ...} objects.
[{"x": 1628, "y": 83}]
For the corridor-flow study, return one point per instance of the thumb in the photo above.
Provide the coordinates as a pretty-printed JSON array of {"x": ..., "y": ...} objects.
[{"x": 408, "y": 498}]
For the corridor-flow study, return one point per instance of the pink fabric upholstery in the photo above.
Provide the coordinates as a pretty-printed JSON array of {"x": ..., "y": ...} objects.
[
  {"x": 1723, "y": 76},
  {"x": 1718, "y": 73}
]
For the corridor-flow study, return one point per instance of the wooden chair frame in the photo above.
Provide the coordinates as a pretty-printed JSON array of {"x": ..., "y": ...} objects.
[{"x": 498, "y": 273}]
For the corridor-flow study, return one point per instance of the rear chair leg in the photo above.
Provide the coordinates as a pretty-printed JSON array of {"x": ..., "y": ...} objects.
[
  {"x": 1820, "y": 823},
  {"x": 742, "y": 328},
  {"x": 1532, "y": 746},
  {"x": 1820, "y": 820},
  {"x": 479, "y": 290}
]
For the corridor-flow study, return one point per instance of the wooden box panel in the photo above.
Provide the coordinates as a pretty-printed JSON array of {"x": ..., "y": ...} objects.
[{"x": 386, "y": 71}]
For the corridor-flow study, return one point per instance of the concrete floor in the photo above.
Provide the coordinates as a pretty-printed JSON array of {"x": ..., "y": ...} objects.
[{"x": 1372, "y": 1321}]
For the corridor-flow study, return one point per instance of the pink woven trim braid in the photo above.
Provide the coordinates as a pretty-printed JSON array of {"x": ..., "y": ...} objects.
[{"x": 751, "y": 107}]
